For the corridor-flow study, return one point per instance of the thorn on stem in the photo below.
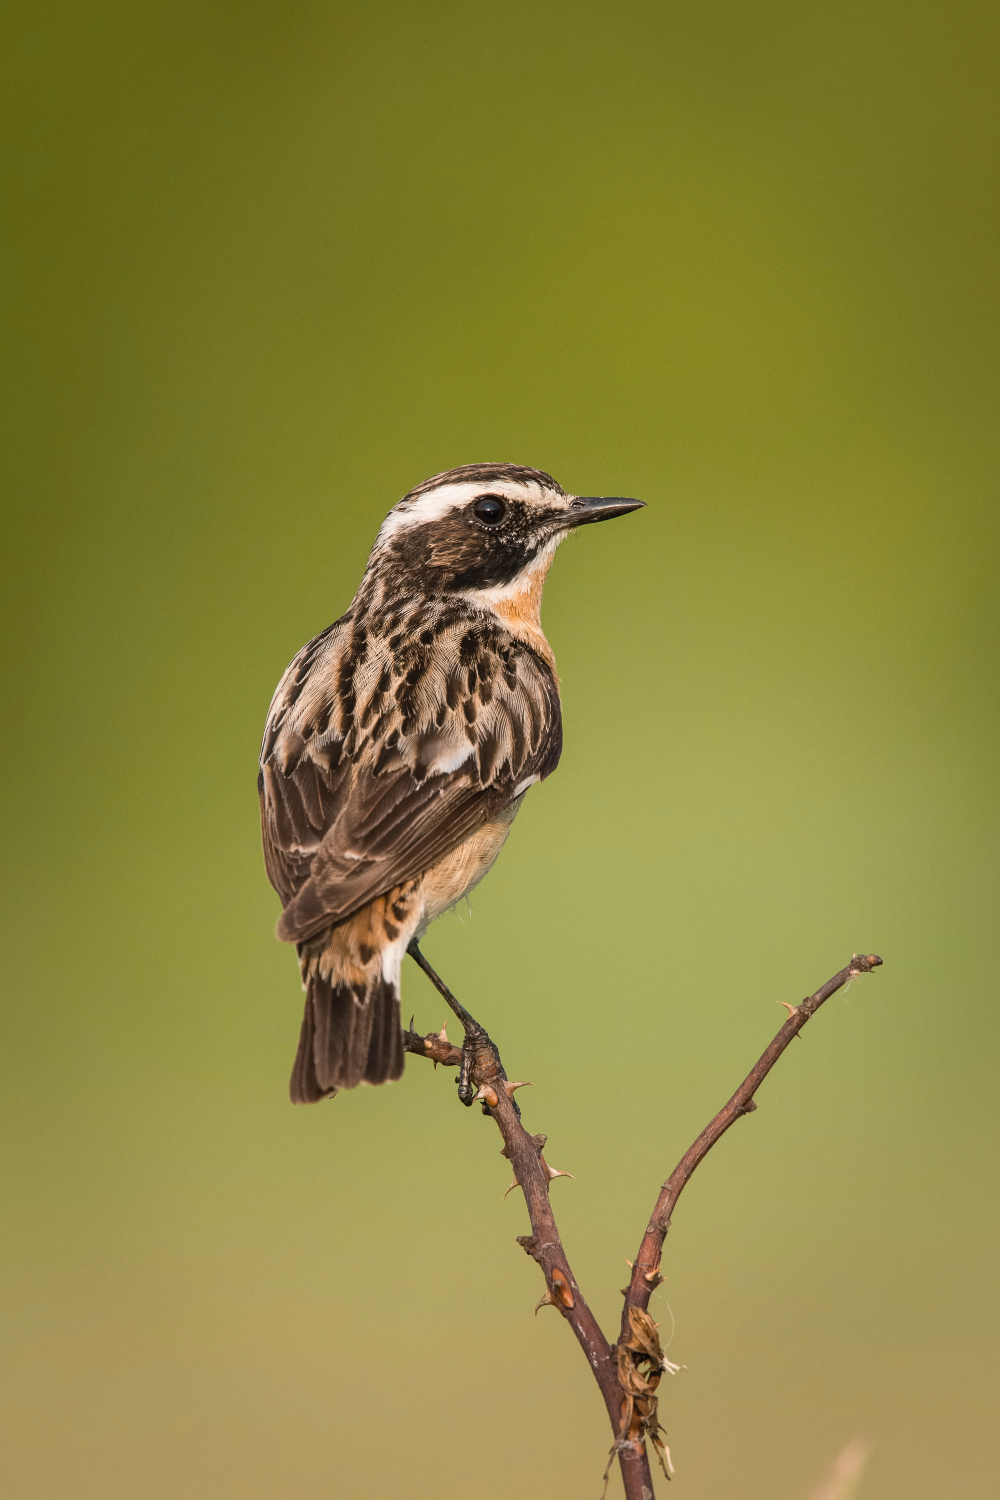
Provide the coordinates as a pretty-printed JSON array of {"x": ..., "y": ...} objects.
[
  {"x": 792, "y": 1010},
  {"x": 551, "y": 1172}
]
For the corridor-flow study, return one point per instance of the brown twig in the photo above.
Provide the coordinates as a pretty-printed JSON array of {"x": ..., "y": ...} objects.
[
  {"x": 434, "y": 1045},
  {"x": 533, "y": 1174},
  {"x": 628, "y": 1372},
  {"x": 645, "y": 1270},
  {"x": 544, "y": 1245}
]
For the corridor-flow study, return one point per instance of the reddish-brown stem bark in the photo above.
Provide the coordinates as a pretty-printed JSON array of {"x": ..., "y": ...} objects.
[
  {"x": 562, "y": 1291},
  {"x": 645, "y": 1268},
  {"x": 544, "y": 1244}
]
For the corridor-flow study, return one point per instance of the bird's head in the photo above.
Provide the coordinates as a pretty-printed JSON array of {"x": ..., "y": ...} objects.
[{"x": 483, "y": 529}]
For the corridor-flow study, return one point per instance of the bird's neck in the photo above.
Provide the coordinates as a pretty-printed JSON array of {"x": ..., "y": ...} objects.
[{"x": 386, "y": 602}]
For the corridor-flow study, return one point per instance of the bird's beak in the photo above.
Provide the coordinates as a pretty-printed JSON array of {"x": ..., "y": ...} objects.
[{"x": 585, "y": 509}]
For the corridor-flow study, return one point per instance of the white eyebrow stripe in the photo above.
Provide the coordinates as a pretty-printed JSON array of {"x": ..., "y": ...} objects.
[{"x": 437, "y": 503}]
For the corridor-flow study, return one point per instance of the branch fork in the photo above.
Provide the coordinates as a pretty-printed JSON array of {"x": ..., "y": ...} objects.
[{"x": 628, "y": 1372}]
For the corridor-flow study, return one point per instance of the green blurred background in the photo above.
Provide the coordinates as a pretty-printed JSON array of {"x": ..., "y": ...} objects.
[{"x": 267, "y": 266}]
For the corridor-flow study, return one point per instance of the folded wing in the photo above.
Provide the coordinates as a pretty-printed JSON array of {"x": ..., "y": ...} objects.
[{"x": 383, "y": 754}]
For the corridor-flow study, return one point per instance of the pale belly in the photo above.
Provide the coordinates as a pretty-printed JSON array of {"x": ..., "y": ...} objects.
[{"x": 456, "y": 875}]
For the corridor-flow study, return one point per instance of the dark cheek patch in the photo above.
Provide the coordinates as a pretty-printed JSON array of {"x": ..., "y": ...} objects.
[
  {"x": 495, "y": 571},
  {"x": 455, "y": 553}
]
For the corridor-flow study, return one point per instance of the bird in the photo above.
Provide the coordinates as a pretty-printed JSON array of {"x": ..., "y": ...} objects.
[{"x": 400, "y": 744}]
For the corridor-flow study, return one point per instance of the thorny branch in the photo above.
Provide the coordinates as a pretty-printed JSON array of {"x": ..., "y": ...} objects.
[
  {"x": 628, "y": 1372},
  {"x": 644, "y": 1271}
]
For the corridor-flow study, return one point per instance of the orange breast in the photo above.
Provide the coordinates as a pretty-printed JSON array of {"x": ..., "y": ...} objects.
[
  {"x": 521, "y": 612},
  {"x": 454, "y": 876}
]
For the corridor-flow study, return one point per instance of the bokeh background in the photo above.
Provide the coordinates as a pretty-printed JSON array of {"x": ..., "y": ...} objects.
[{"x": 267, "y": 266}]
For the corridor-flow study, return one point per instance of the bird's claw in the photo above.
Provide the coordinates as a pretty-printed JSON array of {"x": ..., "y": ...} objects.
[{"x": 481, "y": 1073}]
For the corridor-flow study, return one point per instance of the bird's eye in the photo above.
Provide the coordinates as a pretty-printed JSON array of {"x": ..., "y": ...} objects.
[{"x": 489, "y": 509}]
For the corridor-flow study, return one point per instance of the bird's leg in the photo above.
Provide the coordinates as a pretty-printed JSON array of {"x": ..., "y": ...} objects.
[{"x": 479, "y": 1053}]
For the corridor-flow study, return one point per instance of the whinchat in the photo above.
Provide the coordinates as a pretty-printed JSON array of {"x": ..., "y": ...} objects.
[{"x": 400, "y": 744}]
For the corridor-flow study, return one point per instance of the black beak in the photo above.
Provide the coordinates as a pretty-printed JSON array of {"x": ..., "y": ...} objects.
[{"x": 587, "y": 508}]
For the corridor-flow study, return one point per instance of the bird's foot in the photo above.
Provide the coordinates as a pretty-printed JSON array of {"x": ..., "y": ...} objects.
[{"x": 481, "y": 1073}]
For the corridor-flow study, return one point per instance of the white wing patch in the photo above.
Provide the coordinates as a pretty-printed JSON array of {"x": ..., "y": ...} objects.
[{"x": 450, "y": 757}]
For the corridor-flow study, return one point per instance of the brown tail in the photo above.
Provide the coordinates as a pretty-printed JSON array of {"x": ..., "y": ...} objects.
[{"x": 346, "y": 1040}]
